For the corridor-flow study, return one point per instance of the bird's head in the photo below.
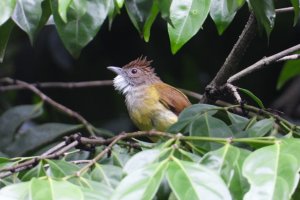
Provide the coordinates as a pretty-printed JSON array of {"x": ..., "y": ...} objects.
[{"x": 136, "y": 73}]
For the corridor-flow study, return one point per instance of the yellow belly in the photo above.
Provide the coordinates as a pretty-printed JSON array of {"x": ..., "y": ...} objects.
[{"x": 147, "y": 112}]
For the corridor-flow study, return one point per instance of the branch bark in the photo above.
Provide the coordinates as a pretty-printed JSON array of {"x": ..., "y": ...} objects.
[
  {"x": 62, "y": 85},
  {"x": 262, "y": 63},
  {"x": 51, "y": 102},
  {"x": 232, "y": 61}
]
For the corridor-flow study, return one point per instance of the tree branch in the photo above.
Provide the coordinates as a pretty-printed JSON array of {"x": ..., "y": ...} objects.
[
  {"x": 263, "y": 63},
  {"x": 284, "y": 10},
  {"x": 290, "y": 57},
  {"x": 232, "y": 61},
  {"x": 51, "y": 102},
  {"x": 62, "y": 85}
]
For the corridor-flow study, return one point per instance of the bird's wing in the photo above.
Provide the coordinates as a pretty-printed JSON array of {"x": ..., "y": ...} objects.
[{"x": 172, "y": 98}]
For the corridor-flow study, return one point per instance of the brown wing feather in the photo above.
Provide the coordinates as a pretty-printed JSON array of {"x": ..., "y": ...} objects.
[{"x": 172, "y": 98}]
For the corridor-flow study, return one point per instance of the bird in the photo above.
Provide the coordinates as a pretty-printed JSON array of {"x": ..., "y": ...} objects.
[{"x": 151, "y": 103}]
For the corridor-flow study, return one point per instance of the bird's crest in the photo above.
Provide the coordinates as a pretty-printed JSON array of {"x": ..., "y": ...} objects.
[{"x": 140, "y": 62}]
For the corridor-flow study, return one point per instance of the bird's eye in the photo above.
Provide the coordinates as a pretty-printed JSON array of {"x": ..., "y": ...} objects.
[{"x": 134, "y": 71}]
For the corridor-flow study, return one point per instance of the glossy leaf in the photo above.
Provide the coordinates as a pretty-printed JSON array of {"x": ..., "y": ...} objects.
[
  {"x": 38, "y": 136},
  {"x": 193, "y": 181},
  {"x": 273, "y": 171},
  {"x": 13, "y": 118},
  {"x": 142, "y": 159},
  {"x": 93, "y": 190},
  {"x": 61, "y": 168},
  {"x": 142, "y": 183},
  {"x": 149, "y": 21},
  {"x": 187, "y": 17},
  {"x": 189, "y": 114},
  {"x": 46, "y": 189},
  {"x": 296, "y": 5},
  {"x": 113, "y": 10},
  {"x": 5, "y": 31},
  {"x": 119, "y": 157},
  {"x": 109, "y": 175},
  {"x": 207, "y": 125},
  {"x": 164, "y": 7},
  {"x": 238, "y": 123},
  {"x": 27, "y": 15},
  {"x": 223, "y": 12},
  {"x": 227, "y": 162},
  {"x": 6, "y": 9},
  {"x": 261, "y": 128},
  {"x": 63, "y": 6},
  {"x": 252, "y": 96},
  {"x": 82, "y": 26},
  {"x": 35, "y": 172},
  {"x": 290, "y": 69},
  {"x": 142, "y": 14},
  {"x": 265, "y": 13}
]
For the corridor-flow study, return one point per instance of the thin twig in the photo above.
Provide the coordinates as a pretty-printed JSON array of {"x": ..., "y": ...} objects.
[
  {"x": 61, "y": 85},
  {"x": 235, "y": 93},
  {"x": 100, "y": 155},
  {"x": 51, "y": 102},
  {"x": 290, "y": 57},
  {"x": 191, "y": 94},
  {"x": 284, "y": 10},
  {"x": 263, "y": 63},
  {"x": 31, "y": 163}
]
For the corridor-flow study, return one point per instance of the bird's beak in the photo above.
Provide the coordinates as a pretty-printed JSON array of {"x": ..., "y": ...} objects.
[{"x": 117, "y": 70}]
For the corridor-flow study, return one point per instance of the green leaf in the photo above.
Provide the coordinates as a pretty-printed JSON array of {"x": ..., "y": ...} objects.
[
  {"x": 209, "y": 126},
  {"x": 61, "y": 168},
  {"x": 27, "y": 15},
  {"x": 189, "y": 114},
  {"x": 296, "y": 5},
  {"x": 6, "y": 9},
  {"x": 109, "y": 175},
  {"x": 261, "y": 128},
  {"x": 273, "y": 171},
  {"x": 149, "y": 21},
  {"x": 119, "y": 157},
  {"x": 120, "y": 3},
  {"x": 290, "y": 69},
  {"x": 113, "y": 10},
  {"x": 189, "y": 180},
  {"x": 15, "y": 191},
  {"x": 38, "y": 136},
  {"x": 187, "y": 17},
  {"x": 142, "y": 183},
  {"x": 265, "y": 13},
  {"x": 164, "y": 7},
  {"x": 238, "y": 123},
  {"x": 142, "y": 14},
  {"x": 252, "y": 96},
  {"x": 63, "y": 6},
  {"x": 37, "y": 171},
  {"x": 227, "y": 162},
  {"x": 84, "y": 21},
  {"x": 93, "y": 190},
  {"x": 142, "y": 159},
  {"x": 5, "y": 30},
  {"x": 223, "y": 12},
  {"x": 13, "y": 118}
]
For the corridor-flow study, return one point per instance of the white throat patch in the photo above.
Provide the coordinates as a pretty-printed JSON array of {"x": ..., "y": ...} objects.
[{"x": 121, "y": 84}]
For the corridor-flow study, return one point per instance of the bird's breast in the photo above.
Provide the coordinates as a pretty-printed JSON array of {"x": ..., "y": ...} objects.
[{"x": 146, "y": 111}]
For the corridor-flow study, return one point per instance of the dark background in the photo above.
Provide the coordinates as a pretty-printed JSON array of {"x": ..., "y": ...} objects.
[{"x": 191, "y": 68}]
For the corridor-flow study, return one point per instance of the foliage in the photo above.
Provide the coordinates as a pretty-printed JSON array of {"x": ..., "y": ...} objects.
[
  {"x": 290, "y": 70},
  {"x": 217, "y": 155},
  {"x": 78, "y": 22}
]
